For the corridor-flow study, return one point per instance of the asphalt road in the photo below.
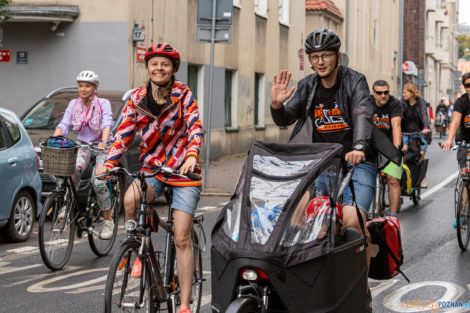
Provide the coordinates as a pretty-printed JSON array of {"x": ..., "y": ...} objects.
[{"x": 437, "y": 268}]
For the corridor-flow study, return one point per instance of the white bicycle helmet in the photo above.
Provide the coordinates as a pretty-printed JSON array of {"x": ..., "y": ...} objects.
[{"x": 88, "y": 76}]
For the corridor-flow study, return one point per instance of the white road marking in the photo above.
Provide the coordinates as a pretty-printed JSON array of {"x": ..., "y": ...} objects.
[
  {"x": 9, "y": 269},
  {"x": 440, "y": 185},
  {"x": 42, "y": 285},
  {"x": 25, "y": 249}
]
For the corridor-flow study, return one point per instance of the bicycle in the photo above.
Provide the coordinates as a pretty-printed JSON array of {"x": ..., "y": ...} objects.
[
  {"x": 62, "y": 216},
  {"x": 417, "y": 167},
  {"x": 463, "y": 214},
  {"x": 380, "y": 205},
  {"x": 157, "y": 288}
]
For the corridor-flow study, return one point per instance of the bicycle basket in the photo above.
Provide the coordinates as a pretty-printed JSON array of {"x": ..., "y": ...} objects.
[{"x": 58, "y": 161}]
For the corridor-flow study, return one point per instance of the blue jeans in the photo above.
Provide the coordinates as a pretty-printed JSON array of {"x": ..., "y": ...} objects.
[
  {"x": 408, "y": 138},
  {"x": 363, "y": 180},
  {"x": 184, "y": 198}
]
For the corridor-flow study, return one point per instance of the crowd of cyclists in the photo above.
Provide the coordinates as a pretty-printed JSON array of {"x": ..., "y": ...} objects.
[{"x": 335, "y": 101}]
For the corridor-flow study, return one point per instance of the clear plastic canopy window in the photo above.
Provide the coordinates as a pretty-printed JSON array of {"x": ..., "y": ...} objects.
[{"x": 274, "y": 166}]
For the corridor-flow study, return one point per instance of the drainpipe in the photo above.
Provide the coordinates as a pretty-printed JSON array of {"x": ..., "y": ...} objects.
[
  {"x": 400, "y": 49},
  {"x": 347, "y": 27}
]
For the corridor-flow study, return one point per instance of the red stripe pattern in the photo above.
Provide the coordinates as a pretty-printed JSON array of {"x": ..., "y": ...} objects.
[{"x": 167, "y": 140}]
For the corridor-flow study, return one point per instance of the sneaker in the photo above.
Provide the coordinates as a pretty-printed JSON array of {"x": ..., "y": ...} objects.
[
  {"x": 61, "y": 215},
  {"x": 108, "y": 230},
  {"x": 184, "y": 309},
  {"x": 136, "y": 268},
  {"x": 455, "y": 224},
  {"x": 369, "y": 301}
]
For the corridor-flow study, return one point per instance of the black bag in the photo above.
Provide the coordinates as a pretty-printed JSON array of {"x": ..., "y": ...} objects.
[{"x": 385, "y": 233}]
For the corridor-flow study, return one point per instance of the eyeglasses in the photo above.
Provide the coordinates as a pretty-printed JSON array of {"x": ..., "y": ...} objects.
[
  {"x": 325, "y": 57},
  {"x": 385, "y": 92},
  {"x": 467, "y": 85}
]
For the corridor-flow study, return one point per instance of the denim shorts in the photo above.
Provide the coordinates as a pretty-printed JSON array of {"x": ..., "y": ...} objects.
[
  {"x": 184, "y": 198},
  {"x": 408, "y": 138},
  {"x": 363, "y": 180}
]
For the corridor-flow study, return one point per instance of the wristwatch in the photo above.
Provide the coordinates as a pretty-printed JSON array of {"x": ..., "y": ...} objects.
[{"x": 358, "y": 147}]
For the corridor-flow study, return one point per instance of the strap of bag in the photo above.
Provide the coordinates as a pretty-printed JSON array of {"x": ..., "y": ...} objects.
[
  {"x": 359, "y": 216},
  {"x": 396, "y": 261}
]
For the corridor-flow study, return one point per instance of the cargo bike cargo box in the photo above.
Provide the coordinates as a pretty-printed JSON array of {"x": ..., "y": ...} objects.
[{"x": 283, "y": 219}]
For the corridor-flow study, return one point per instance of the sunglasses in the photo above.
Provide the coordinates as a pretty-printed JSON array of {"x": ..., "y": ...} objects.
[
  {"x": 385, "y": 92},
  {"x": 467, "y": 85}
]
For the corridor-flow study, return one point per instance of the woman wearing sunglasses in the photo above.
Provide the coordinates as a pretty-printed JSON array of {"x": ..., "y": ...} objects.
[
  {"x": 461, "y": 122},
  {"x": 415, "y": 119}
]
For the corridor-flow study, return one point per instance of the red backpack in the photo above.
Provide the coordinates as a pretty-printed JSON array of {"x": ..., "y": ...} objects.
[{"x": 385, "y": 233}]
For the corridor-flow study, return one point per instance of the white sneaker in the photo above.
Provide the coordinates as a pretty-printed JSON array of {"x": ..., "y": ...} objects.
[
  {"x": 107, "y": 230},
  {"x": 61, "y": 215}
]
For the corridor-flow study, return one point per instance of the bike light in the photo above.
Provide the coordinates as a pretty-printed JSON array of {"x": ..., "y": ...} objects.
[
  {"x": 130, "y": 225},
  {"x": 250, "y": 275}
]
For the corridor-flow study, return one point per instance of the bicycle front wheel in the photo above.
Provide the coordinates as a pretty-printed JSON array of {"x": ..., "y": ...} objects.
[
  {"x": 123, "y": 289},
  {"x": 463, "y": 229},
  {"x": 56, "y": 230},
  {"x": 99, "y": 246}
]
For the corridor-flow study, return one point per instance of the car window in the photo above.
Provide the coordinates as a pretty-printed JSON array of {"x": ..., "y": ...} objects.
[
  {"x": 12, "y": 127},
  {"x": 46, "y": 114}
]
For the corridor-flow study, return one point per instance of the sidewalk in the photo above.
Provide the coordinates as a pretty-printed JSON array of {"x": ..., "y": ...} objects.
[{"x": 223, "y": 175}]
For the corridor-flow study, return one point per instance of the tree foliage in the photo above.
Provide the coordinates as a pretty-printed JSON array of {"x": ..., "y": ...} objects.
[
  {"x": 3, "y": 11},
  {"x": 464, "y": 46}
]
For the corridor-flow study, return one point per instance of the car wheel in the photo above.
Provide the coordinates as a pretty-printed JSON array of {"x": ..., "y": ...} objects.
[{"x": 20, "y": 224}]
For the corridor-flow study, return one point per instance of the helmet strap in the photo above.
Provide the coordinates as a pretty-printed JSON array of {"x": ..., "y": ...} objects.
[{"x": 162, "y": 90}]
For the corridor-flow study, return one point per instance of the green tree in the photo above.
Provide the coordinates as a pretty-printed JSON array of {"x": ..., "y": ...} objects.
[
  {"x": 464, "y": 46},
  {"x": 3, "y": 11}
]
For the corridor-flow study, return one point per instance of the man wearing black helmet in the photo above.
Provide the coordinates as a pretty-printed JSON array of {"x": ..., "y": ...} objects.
[{"x": 335, "y": 101}]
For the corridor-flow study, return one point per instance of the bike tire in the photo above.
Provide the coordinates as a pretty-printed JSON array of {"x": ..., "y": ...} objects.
[
  {"x": 101, "y": 247},
  {"x": 459, "y": 185},
  {"x": 463, "y": 229},
  {"x": 243, "y": 305},
  {"x": 416, "y": 196},
  {"x": 196, "y": 290},
  {"x": 127, "y": 287},
  {"x": 53, "y": 233}
]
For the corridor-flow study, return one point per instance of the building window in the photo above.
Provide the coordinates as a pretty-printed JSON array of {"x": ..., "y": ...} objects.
[
  {"x": 259, "y": 100},
  {"x": 231, "y": 99},
  {"x": 192, "y": 79},
  {"x": 284, "y": 12},
  {"x": 261, "y": 8},
  {"x": 196, "y": 84}
]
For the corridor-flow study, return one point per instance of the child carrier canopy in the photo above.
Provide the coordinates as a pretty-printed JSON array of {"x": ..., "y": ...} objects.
[{"x": 283, "y": 208}]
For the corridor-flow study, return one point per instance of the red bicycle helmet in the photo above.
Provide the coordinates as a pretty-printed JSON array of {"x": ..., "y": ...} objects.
[{"x": 166, "y": 50}]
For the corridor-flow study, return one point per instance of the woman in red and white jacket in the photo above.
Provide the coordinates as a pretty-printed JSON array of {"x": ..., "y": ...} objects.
[{"x": 166, "y": 115}]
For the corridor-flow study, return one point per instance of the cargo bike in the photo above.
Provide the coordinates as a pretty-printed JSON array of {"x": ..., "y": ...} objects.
[{"x": 278, "y": 245}]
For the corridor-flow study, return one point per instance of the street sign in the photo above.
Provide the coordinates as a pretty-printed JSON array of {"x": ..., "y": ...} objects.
[
  {"x": 21, "y": 57},
  {"x": 223, "y": 12},
  {"x": 223, "y": 33},
  {"x": 140, "y": 54},
  {"x": 5, "y": 55},
  {"x": 409, "y": 68}
]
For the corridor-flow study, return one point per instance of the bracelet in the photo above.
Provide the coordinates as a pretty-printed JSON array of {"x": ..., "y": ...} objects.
[{"x": 104, "y": 141}]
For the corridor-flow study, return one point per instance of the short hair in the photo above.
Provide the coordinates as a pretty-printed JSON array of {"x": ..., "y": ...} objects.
[
  {"x": 380, "y": 83},
  {"x": 412, "y": 88},
  {"x": 465, "y": 77}
]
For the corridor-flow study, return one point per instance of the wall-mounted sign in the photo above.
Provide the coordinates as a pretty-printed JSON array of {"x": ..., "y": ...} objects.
[
  {"x": 409, "y": 68},
  {"x": 22, "y": 57},
  {"x": 140, "y": 54},
  {"x": 5, "y": 55},
  {"x": 138, "y": 34}
]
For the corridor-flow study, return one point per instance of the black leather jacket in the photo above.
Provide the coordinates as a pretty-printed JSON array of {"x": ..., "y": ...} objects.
[
  {"x": 353, "y": 97},
  {"x": 421, "y": 114}
]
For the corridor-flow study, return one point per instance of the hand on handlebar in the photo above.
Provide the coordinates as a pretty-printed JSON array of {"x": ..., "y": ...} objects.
[
  {"x": 355, "y": 157},
  {"x": 446, "y": 146},
  {"x": 101, "y": 171},
  {"x": 425, "y": 131},
  {"x": 188, "y": 165}
]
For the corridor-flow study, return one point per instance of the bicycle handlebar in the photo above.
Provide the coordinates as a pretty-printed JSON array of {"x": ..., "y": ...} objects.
[{"x": 163, "y": 170}]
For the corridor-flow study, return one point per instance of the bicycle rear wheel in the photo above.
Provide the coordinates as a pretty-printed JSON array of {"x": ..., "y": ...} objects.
[
  {"x": 57, "y": 230},
  {"x": 122, "y": 291},
  {"x": 101, "y": 247},
  {"x": 196, "y": 290},
  {"x": 243, "y": 305},
  {"x": 463, "y": 229}
]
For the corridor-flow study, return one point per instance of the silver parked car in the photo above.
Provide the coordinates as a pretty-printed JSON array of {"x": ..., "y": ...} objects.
[{"x": 20, "y": 183}]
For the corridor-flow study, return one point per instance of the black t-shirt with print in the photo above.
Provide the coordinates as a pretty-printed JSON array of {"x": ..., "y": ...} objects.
[
  {"x": 382, "y": 117},
  {"x": 328, "y": 123},
  {"x": 462, "y": 105}
]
